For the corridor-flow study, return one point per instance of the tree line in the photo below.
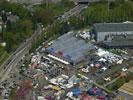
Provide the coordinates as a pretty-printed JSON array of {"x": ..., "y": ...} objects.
[
  {"x": 19, "y": 31},
  {"x": 104, "y": 12}
]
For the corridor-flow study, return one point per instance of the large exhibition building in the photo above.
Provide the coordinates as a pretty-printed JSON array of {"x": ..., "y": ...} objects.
[{"x": 69, "y": 49}]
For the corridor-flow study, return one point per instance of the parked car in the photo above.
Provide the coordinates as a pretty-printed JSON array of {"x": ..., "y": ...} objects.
[
  {"x": 124, "y": 69},
  {"x": 104, "y": 68}
]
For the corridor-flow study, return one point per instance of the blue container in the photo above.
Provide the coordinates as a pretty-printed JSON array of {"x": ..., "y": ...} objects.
[
  {"x": 76, "y": 92},
  {"x": 94, "y": 91}
]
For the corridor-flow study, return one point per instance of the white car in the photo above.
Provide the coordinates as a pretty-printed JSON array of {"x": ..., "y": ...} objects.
[
  {"x": 48, "y": 87},
  {"x": 85, "y": 70},
  {"x": 63, "y": 87},
  {"x": 82, "y": 76},
  {"x": 50, "y": 43},
  {"x": 69, "y": 85},
  {"x": 107, "y": 79},
  {"x": 104, "y": 68},
  {"x": 46, "y": 78},
  {"x": 53, "y": 81},
  {"x": 124, "y": 69},
  {"x": 69, "y": 94},
  {"x": 65, "y": 76},
  {"x": 120, "y": 61},
  {"x": 92, "y": 65}
]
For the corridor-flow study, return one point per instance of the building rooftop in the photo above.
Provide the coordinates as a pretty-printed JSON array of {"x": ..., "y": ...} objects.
[
  {"x": 113, "y": 27},
  {"x": 70, "y": 47},
  {"x": 127, "y": 88},
  {"x": 13, "y": 18}
]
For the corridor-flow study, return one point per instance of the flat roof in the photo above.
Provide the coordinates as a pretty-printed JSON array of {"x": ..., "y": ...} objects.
[
  {"x": 70, "y": 47},
  {"x": 113, "y": 27}
]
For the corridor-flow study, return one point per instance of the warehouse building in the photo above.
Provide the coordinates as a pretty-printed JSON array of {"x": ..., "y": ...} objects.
[
  {"x": 68, "y": 48},
  {"x": 105, "y": 31},
  {"x": 118, "y": 44}
]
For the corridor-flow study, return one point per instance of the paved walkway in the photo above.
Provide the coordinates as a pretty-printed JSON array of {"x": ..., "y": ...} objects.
[{"x": 111, "y": 82}]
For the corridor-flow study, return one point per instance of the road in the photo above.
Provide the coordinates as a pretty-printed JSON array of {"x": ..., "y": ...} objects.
[
  {"x": 73, "y": 12},
  {"x": 24, "y": 48},
  {"x": 114, "y": 80},
  {"x": 13, "y": 63},
  {"x": 17, "y": 55}
]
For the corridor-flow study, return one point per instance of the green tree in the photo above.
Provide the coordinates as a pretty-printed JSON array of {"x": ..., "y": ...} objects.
[
  {"x": 24, "y": 27},
  {"x": 118, "y": 11},
  {"x": 9, "y": 38},
  {"x": 14, "y": 8}
]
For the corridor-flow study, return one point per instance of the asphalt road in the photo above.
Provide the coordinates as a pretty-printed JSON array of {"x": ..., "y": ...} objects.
[
  {"x": 17, "y": 55},
  {"x": 24, "y": 48},
  {"x": 73, "y": 12}
]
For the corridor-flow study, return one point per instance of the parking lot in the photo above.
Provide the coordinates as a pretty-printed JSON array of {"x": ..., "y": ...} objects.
[{"x": 50, "y": 78}]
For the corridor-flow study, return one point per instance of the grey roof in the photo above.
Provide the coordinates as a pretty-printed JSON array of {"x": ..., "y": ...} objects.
[
  {"x": 13, "y": 18},
  {"x": 87, "y": 0},
  {"x": 73, "y": 48},
  {"x": 83, "y": 0},
  {"x": 120, "y": 43},
  {"x": 113, "y": 27}
]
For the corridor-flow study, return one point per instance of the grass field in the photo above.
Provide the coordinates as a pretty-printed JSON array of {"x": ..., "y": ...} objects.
[{"x": 3, "y": 55}]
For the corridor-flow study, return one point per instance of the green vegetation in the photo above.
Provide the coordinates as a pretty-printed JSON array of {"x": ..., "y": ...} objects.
[
  {"x": 17, "y": 31},
  {"x": 53, "y": 31},
  {"x": 3, "y": 55},
  {"x": 118, "y": 11},
  {"x": 48, "y": 12},
  {"x": 77, "y": 23},
  {"x": 115, "y": 86},
  {"x": 13, "y": 94},
  {"x": 14, "y": 8}
]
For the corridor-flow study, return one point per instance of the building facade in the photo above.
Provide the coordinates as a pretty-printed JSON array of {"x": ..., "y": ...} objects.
[{"x": 105, "y": 31}]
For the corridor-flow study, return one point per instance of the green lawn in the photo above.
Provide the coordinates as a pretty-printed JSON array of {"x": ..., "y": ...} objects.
[
  {"x": 117, "y": 12},
  {"x": 3, "y": 57},
  {"x": 46, "y": 14}
]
